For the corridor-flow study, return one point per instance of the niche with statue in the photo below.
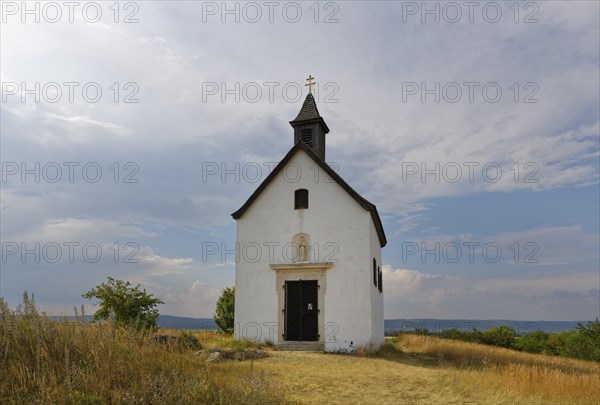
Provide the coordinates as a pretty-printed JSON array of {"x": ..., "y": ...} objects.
[{"x": 301, "y": 251}]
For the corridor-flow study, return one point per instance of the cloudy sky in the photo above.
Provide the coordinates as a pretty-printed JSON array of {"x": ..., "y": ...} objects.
[{"x": 130, "y": 132}]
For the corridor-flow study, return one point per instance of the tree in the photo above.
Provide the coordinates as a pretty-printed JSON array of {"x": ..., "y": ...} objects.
[
  {"x": 590, "y": 337},
  {"x": 127, "y": 305},
  {"x": 225, "y": 308},
  {"x": 591, "y": 330},
  {"x": 501, "y": 336},
  {"x": 555, "y": 344},
  {"x": 534, "y": 342}
]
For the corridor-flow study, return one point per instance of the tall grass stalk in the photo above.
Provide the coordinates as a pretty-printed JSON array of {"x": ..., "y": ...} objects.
[
  {"x": 555, "y": 379},
  {"x": 74, "y": 362}
]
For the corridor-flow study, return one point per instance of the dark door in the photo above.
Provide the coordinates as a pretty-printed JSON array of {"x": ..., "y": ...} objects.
[{"x": 301, "y": 310}]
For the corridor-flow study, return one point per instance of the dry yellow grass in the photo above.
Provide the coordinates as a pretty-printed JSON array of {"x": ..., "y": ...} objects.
[
  {"x": 468, "y": 354},
  {"x": 212, "y": 339},
  {"x": 48, "y": 362},
  {"x": 417, "y": 370},
  {"x": 317, "y": 378},
  {"x": 547, "y": 379}
]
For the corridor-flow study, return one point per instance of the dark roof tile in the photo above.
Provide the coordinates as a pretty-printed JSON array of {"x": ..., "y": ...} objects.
[{"x": 309, "y": 110}]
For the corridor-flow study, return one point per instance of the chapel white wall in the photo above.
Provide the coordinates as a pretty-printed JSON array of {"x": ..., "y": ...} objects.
[{"x": 344, "y": 234}]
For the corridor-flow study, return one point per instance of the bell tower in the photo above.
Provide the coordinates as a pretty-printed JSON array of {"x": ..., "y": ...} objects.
[{"x": 309, "y": 126}]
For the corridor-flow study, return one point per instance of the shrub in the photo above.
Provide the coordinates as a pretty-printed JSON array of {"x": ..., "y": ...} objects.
[
  {"x": 534, "y": 342},
  {"x": 126, "y": 305},
  {"x": 224, "y": 312},
  {"x": 591, "y": 339},
  {"x": 555, "y": 344},
  {"x": 576, "y": 345},
  {"x": 187, "y": 339},
  {"x": 473, "y": 336},
  {"x": 501, "y": 336},
  {"x": 584, "y": 343}
]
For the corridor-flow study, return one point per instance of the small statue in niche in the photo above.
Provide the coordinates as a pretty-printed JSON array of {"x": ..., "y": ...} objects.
[{"x": 302, "y": 249}]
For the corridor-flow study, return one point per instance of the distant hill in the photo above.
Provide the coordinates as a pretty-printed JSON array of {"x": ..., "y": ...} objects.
[
  {"x": 438, "y": 325},
  {"x": 178, "y": 322},
  {"x": 391, "y": 325},
  {"x": 165, "y": 321},
  {"x": 396, "y": 325}
]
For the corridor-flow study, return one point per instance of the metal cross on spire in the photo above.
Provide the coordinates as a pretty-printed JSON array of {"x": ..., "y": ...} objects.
[{"x": 310, "y": 83}]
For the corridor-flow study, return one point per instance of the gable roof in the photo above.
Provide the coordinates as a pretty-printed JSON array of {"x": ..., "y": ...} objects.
[{"x": 336, "y": 177}]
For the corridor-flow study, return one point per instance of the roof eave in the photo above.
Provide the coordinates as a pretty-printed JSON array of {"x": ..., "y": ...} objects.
[{"x": 320, "y": 120}]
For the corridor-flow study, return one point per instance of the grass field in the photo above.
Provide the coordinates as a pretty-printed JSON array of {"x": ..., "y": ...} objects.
[
  {"x": 414, "y": 369},
  {"x": 46, "y": 362}
]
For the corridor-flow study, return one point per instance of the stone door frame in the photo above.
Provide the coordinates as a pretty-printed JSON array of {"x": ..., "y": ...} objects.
[{"x": 300, "y": 271}]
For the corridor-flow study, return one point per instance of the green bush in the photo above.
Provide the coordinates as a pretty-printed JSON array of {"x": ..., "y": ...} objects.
[
  {"x": 576, "y": 345},
  {"x": 501, "y": 336},
  {"x": 473, "y": 336},
  {"x": 225, "y": 308},
  {"x": 534, "y": 342},
  {"x": 126, "y": 305},
  {"x": 555, "y": 344},
  {"x": 584, "y": 343},
  {"x": 591, "y": 343},
  {"x": 187, "y": 339}
]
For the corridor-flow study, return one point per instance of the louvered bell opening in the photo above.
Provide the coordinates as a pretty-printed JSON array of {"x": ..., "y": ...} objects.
[{"x": 306, "y": 135}]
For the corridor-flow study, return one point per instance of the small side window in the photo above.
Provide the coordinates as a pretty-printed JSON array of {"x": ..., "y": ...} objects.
[
  {"x": 375, "y": 272},
  {"x": 301, "y": 199},
  {"x": 380, "y": 279}
]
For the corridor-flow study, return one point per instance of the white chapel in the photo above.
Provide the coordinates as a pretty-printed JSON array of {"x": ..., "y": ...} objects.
[{"x": 308, "y": 272}]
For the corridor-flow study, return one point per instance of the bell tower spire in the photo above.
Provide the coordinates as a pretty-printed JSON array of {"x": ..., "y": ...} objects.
[{"x": 309, "y": 126}]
